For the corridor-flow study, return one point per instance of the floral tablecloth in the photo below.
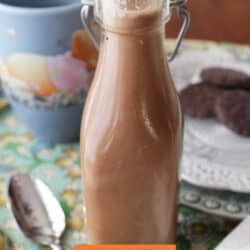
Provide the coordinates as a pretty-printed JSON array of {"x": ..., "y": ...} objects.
[{"x": 59, "y": 167}]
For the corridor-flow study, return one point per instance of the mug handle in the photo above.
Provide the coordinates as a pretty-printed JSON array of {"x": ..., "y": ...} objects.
[{"x": 87, "y": 15}]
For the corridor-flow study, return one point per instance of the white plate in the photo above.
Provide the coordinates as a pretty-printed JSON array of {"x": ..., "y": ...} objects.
[
  {"x": 214, "y": 156},
  {"x": 222, "y": 203}
]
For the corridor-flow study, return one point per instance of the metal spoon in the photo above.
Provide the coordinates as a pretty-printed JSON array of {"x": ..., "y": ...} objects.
[{"x": 36, "y": 210}]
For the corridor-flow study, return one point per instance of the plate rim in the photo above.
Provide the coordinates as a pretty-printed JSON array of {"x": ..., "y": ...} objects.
[{"x": 196, "y": 197}]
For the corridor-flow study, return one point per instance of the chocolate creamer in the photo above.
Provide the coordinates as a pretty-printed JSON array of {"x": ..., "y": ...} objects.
[{"x": 131, "y": 137}]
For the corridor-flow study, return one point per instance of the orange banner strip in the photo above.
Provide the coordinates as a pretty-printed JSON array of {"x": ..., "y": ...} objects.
[{"x": 125, "y": 247}]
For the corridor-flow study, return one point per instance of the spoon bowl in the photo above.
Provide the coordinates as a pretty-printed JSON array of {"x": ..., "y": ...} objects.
[{"x": 36, "y": 210}]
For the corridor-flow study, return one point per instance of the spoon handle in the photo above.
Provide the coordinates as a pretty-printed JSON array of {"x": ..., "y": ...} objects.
[{"x": 57, "y": 247}]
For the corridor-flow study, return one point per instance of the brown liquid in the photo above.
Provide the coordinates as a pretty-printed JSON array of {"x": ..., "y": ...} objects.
[{"x": 131, "y": 138}]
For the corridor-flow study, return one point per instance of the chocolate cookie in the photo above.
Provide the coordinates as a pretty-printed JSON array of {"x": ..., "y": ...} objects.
[
  {"x": 198, "y": 100},
  {"x": 226, "y": 78},
  {"x": 233, "y": 110}
]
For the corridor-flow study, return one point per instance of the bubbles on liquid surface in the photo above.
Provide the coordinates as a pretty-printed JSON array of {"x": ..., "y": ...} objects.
[{"x": 133, "y": 4}]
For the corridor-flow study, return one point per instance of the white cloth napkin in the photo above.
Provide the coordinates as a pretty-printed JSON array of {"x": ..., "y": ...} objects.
[{"x": 239, "y": 239}]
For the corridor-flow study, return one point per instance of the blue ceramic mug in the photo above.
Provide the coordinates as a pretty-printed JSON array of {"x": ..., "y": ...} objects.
[
  {"x": 43, "y": 27},
  {"x": 38, "y": 26}
]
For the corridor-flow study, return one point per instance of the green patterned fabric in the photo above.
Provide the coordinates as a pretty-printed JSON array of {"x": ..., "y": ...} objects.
[{"x": 59, "y": 168}]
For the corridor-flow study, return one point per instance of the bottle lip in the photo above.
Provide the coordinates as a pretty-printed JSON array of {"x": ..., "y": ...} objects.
[
  {"x": 98, "y": 10},
  {"x": 133, "y": 21}
]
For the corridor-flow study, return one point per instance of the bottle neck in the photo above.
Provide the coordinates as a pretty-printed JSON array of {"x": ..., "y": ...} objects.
[
  {"x": 133, "y": 41},
  {"x": 119, "y": 50}
]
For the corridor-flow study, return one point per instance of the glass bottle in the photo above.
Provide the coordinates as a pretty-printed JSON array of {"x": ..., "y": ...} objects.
[{"x": 131, "y": 135}]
